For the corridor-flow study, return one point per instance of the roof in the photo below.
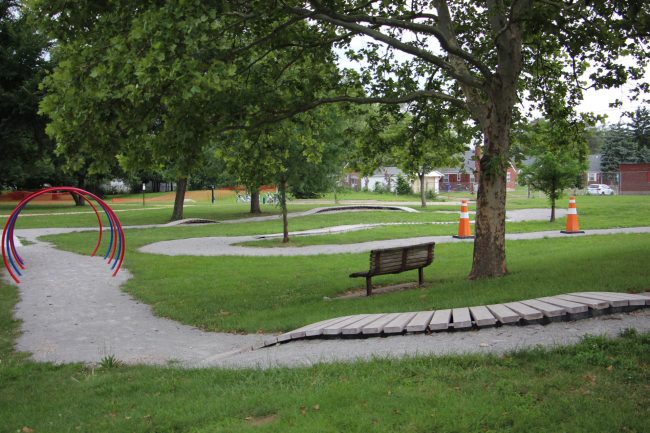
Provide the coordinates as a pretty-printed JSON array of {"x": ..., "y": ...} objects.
[
  {"x": 390, "y": 171},
  {"x": 594, "y": 163}
]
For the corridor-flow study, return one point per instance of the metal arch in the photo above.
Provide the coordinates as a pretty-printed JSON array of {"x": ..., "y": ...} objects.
[{"x": 10, "y": 256}]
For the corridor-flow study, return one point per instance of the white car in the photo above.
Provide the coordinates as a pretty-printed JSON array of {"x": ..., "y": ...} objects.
[{"x": 599, "y": 189}]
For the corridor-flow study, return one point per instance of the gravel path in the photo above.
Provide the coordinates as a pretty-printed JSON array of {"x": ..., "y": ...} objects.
[
  {"x": 225, "y": 246},
  {"x": 72, "y": 310}
]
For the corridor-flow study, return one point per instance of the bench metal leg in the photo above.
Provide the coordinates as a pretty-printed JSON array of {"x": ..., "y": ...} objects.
[
  {"x": 420, "y": 276},
  {"x": 368, "y": 286}
]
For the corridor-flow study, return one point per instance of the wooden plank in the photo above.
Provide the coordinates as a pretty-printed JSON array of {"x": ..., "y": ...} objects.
[
  {"x": 377, "y": 326},
  {"x": 549, "y": 310},
  {"x": 594, "y": 304},
  {"x": 398, "y": 324},
  {"x": 503, "y": 313},
  {"x": 524, "y": 311},
  {"x": 419, "y": 322},
  {"x": 632, "y": 299},
  {"x": 336, "y": 328},
  {"x": 571, "y": 307},
  {"x": 318, "y": 329},
  {"x": 637, "y": 296},
  {"x": 461, "y": 318},
  {"x": 356, "y": 327},
  {"x": 302, "y": 331},
  {"x": 613, "y": 301},
  {"x": 271, "y": 341},
  {"x": 482, "y": 316},
  {"x": 440, "y": 320}
]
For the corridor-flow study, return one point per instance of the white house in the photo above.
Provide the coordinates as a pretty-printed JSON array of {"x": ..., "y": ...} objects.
[
  {"x": 431, "y": 182},
  {"x": 384, "y": 176}
]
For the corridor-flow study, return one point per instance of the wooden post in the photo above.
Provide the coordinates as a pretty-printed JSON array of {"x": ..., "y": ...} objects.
[
  {"x": 368, "y": 286},
  {"x": 420, "y": 276}
]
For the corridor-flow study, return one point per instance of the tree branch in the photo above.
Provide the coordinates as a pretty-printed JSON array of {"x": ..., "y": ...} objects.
[
  {"x": 445, "y": 43},
  {"x": 362, "y": 100},
  {"x": 464, "y": 77}
]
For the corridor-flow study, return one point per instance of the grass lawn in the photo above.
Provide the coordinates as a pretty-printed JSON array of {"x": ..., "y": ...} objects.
[
  {"x": 281, "y": 293},
  {"x": 600, "y": 385}
]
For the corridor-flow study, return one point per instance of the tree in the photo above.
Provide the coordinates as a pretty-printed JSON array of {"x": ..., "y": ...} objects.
[
  {"x": 552, "y": 173},
  {"x": 482, "y": 57},
  {"x": 158, "y": 83},
  {"x": 435, "y": 136},
  {"x": 640, "y": 125},
  {"x": 28, "y": 158},
  {"x": 621, "y": 145},
  {"x": 559, "y": 151}
]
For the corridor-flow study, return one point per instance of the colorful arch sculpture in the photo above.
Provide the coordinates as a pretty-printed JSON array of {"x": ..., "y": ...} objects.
[{"x": 114, "y": 254}]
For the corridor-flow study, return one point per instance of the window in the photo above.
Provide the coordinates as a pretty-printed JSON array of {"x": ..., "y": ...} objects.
[
  {"x": 508, "y": 178},
  {"x": 591, "y": 177}
]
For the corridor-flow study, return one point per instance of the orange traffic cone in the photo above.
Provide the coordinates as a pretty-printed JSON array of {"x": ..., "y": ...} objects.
[
  {"x": 464, "y": 232},
  {"x": 572, "y": 226}
]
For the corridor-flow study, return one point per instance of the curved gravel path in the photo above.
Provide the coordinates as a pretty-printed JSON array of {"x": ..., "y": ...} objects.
[
  {"x": 225, "y": 246},
  {"x": 72, "y": 310}
]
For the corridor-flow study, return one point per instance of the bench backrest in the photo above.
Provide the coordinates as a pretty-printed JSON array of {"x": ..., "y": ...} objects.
[{"x": 393, "y": 260}]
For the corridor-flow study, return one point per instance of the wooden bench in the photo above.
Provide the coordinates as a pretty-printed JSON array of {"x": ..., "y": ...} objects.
[{"x": 396, "y": 260}]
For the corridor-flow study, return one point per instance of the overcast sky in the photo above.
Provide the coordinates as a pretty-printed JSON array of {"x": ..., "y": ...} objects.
[{"x": 595, "y": 101}]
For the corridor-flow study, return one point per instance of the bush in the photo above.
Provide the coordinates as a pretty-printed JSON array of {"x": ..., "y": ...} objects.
[
  {"x": 431, "y": 195},
  {"x": 380, "y": 188},
  {"x": 403, "y": 186}
]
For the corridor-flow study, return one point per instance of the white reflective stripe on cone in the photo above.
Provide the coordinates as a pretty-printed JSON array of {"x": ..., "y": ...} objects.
[
  {"x": 572, "y": 211},
  {"x": 464, "y": 214}
]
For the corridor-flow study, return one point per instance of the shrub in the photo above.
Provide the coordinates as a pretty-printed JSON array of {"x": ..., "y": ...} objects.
[{"x": 403, "y": 186}]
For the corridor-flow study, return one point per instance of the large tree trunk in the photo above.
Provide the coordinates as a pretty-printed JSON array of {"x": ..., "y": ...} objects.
[
  {"x": 494, "y": 112},
  {"x": 423, "y": 193},
  {"x": 255, "y": 201},
  {"x": 489, "y": 258},
  {"x": 181, "y": 186}
]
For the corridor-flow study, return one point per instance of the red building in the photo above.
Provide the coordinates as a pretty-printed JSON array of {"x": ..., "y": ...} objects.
[
  {"x": 466, "y": 178},
  {"x": 635, "y": 178}
]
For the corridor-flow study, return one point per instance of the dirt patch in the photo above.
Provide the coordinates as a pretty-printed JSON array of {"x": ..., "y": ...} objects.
[
  {"x": 378, "y": 290},
  {"x": 262, "y": 420}
]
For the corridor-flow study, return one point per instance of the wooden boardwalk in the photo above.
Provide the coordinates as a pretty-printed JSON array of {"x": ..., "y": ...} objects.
[{"x": 572, "y": 306}]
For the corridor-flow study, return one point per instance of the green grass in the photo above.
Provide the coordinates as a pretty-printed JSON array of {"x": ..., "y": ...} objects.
[
  {"x": 599, "y": 385},
  {"x": 282, "y": 293}
]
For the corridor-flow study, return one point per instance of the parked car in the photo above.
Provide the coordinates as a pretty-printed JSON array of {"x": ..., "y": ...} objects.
[{"x": 599, "y": 189}]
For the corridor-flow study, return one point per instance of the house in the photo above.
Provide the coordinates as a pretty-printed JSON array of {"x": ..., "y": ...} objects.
[
  {"x": 385, "y": 177},
  {"x": 431, "y": 182},
  {"x": 594, "y": 173},
  {"x": 634, "y": 178},
  {"x": 352, "y": 180},
  {"x": 465, "y": 178}
]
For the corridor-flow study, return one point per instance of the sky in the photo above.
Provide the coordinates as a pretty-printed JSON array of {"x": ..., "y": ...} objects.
[{"x": 595, "y": 101}]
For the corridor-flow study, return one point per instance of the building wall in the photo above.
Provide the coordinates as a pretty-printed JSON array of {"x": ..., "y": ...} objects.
[
  {"x": 635, "y": 178},
  {"x": 431, "y": 183},
  {"x": 511, "y": 178}
]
